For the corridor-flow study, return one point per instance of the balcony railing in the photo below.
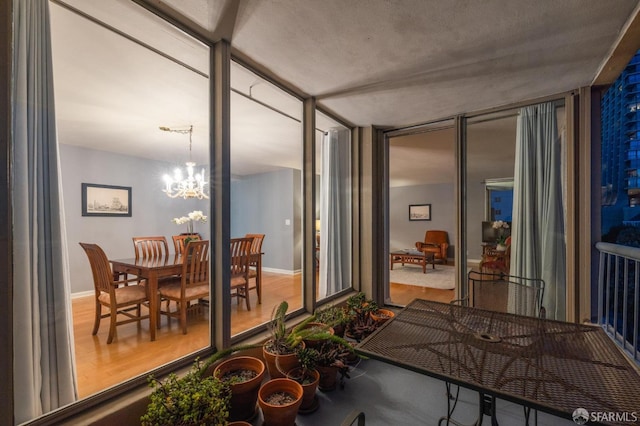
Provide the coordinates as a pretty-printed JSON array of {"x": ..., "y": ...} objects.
[{"x": 619, "y": 295}]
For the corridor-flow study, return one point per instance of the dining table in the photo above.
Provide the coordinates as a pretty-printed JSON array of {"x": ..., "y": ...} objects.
[
  {"x": 561, "y": 368},
  {"x": 152, "y": 269}
]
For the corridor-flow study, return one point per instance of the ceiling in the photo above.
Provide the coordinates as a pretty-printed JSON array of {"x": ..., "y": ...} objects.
[{"x": 390, "y": 63}]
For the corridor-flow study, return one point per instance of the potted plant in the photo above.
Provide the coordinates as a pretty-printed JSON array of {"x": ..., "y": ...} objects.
[
  {"x": 334, "y": 316},
  {"x": 308, "y": 376},
  {"x": 381, "y": 315},
  {"x": 189, "y": 400},
  {"x": 243, "y": 375},
  {"x": 198, "y": 398},
  {"x": 332, "y": 356},
  {"x": 361, "y": 323},
  {"x": 280, "y": 350},
  {"x": 280, "y": 400},
  {"x": 317, "y": 331}
]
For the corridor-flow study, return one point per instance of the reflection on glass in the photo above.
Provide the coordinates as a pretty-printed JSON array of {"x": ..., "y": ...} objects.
[
  {"x": 515, "y": 162},
  {"x": 109, "y": 123},
  {"x": 266, "y": 192},
  {"x": 333, "y": 207}
]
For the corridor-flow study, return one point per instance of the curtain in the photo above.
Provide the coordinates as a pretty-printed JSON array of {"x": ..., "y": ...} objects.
[
  {"x": 537, "y": 238},
  {"x": 335, "y": 212},
  {"x": 44, "y": 372}
]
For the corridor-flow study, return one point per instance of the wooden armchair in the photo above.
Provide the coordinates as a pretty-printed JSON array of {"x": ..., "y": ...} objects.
[
  {"x": 119, "y": 297},
  {"x": 436, "y": 242}
]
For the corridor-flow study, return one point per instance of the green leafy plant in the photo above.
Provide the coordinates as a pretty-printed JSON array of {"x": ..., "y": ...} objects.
[
  {"x": 333, "y": 316},
  {"x": 197, "y": 398},
  {"x": 284, "y": 341},
  {"x": 361, "y": 323},
  {"x": 189, "y": 400}
]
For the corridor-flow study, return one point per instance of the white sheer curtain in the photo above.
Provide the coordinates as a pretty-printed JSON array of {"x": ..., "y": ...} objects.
[
  {"x": 335, "y": 212},
  {"x": 44, "y": 372},
  {"x": 538, "y": 241}
]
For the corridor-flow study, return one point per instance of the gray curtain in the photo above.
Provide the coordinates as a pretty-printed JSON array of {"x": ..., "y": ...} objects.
[
  {"x": 44, "y": 372},
  {"x": 538, "y": 240},
  {"x": 335, "y": 212}
]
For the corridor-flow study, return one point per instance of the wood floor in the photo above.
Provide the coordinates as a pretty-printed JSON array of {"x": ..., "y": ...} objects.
[{"x": 100, "y": 366}]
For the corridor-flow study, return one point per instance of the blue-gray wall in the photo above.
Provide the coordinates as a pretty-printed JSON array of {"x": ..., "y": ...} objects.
[
  {"x": 261, "y": 204},
  {"x": 152, "y": 210},
  {"x": 404, "y": 233}
]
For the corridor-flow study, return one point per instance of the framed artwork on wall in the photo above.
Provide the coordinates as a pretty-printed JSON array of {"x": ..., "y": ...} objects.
[
  {"x": 106, "y": 200},
  {"x": 419, "y": 211}
]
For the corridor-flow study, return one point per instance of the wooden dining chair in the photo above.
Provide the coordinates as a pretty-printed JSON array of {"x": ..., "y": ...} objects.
[
  {"x": 117, "y": 295},
  {"x": 193, "y": 284},
  {"x": 149, "y": 247},
  {"x": 178, "y": 241},
  {"x": 240, "y": 258},
  {"x": 255, "y": 263}
]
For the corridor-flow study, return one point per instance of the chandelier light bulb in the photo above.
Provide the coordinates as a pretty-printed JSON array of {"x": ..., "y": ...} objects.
[{"x": 192, "y": 186}]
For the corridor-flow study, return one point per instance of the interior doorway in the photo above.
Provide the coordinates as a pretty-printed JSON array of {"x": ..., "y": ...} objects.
[{"x": 421, "y": 194}]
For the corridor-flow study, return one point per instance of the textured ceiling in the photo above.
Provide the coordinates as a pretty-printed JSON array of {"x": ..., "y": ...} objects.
[{"x": 373, "y": 62}]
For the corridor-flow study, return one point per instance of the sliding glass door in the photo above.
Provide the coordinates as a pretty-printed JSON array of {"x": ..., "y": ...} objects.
[{"x": 516, "y": 198}]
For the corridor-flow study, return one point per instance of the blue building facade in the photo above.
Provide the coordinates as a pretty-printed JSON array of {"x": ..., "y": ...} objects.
[{"x": 621, "y": 150}]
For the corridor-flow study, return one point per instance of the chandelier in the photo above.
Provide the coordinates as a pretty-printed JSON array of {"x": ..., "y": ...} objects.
[{"x": 193, "y": 185}]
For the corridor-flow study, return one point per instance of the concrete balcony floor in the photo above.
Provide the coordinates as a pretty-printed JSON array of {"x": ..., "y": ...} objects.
[{"x": 392, "y": 396}]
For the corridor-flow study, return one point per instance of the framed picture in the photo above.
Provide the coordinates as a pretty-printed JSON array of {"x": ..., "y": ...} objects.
[
  {"x": 106, "y": 200},
  {"x": 419, "y": 211}
]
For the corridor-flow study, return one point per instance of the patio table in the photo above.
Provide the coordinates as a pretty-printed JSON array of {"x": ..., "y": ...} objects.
[{"x": 547, "y": 365}]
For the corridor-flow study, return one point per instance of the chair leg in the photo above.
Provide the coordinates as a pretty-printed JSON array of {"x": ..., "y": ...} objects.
[
  {"x": 259, "y": 284},
  {"x": 183, "y": 317},
  {"x": 96, "y": 322},
  {"x": 246, "y": 296},
  {"x": 112, "y": 325}
]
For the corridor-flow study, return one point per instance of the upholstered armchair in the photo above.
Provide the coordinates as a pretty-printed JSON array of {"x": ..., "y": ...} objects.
[{"x": 436, "y": 242}]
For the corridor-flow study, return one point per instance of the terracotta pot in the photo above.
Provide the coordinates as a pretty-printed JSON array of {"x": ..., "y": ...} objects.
[
  {"x": 328, "y": 378},
  {"x": 284, "y": 362},
  {"x": 243, "y": 395},
  {"x": 239, "y": 424},
  {"x": 309, "y": 401},
  {"x": 322, "y": 327},
  {"x": 382, "y": 315},
  {"x": 280, "y": 415}
]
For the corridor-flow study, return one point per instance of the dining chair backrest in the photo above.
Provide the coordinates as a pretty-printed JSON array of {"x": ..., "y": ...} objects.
[
  {"x": 100, "y": 268},
  {"x": 240, "y": 251},
  {"x": 507, "y": 293},
  {"x": 256, "y": 244},
  {"x": 150, "y": 247},
  {"x": 178, "y": 241},
  {"x": 195, "y": 265}
]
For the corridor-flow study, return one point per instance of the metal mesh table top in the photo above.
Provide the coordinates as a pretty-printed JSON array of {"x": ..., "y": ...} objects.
[{"x": 549, "y": 365}]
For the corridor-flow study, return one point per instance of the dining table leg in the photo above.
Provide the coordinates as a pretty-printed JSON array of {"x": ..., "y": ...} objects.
[{"x": 152, "y": 283}]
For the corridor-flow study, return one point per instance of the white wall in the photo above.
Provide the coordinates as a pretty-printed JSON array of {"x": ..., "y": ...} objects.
[
  {"x": 404, "y": 233},
  {"x": 152, "y": 210}
]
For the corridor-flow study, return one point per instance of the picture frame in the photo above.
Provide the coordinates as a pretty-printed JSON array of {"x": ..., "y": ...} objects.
[
  {"x": 419, "y": 212},
  {"x": 106, "y": 200}
]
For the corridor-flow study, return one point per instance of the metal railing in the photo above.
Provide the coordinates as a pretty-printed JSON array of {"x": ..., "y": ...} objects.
[{"x": 619, "y": 295}]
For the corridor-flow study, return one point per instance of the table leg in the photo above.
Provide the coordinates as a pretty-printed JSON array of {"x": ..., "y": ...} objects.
[
  {"x": 152, "y": 283},
  {"x": 259, "y": 277}
]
